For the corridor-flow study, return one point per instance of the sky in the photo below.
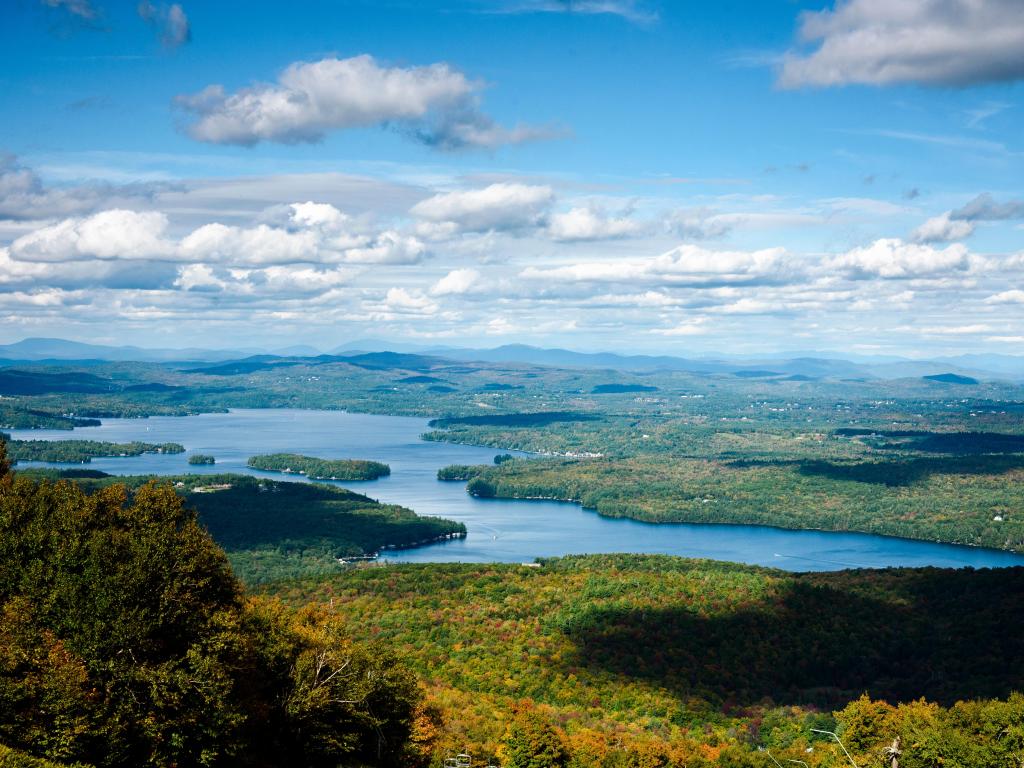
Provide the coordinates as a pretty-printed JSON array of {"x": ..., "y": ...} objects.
[{"x": 684, "y": 178}]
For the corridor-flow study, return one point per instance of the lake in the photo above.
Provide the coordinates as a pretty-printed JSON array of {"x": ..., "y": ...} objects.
[{"x": 499, "y": 530}]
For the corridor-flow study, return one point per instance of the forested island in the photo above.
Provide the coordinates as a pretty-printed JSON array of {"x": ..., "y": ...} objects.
[
  {"x": 81, "y": 451},
  {"x": 320, "y": 469},
  {"x": 201, "y": 459}
]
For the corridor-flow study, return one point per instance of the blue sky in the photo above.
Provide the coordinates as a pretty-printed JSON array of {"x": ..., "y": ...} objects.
[{"x": 680, "y": 177}]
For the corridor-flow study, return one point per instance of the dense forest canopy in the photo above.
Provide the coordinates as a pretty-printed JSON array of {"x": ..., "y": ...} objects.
[{"x": 630, "y": 659}]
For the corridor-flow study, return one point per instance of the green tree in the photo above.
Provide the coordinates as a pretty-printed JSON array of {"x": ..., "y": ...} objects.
[{"x": 532, "y": 742}]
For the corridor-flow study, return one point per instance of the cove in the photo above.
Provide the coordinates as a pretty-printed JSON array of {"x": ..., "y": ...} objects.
[{"x": 499, "y": 530}]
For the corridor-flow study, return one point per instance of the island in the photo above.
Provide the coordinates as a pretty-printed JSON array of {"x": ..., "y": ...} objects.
[
  {"x": 320, "y": 469},
  {"x": 81, "y": 451},
  {"x": 201, "y": 459}
]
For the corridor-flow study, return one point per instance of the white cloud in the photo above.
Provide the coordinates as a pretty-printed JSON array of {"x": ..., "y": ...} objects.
[
  {"x": 458, "y": 281},
  {"x": 684, "y": 265},
  {"x": 694, "y": 327},
  {"x": 500, "y": 206},
  {"x": 953, "y": 330},
  {"x": 1013, "y": 296},
  {"x": 402, "y": 301},
  {"x": 116, "y": 234},
  {"x": 388, "y": 247},
  {"x": 436, "y": 103},
  {"x": 930, "y": 42},
  {"x": 319, "y": 215},
  {"x": 894, "y": 258},
  {"x": 590, "y": 224},
  {"x": 199, "y": 277},
  {"x": 942, "y": 229},
  {"x": 288, "y": 279},
  {"x": 316, "y": 233},
  {"x": 256, "y": 245}
]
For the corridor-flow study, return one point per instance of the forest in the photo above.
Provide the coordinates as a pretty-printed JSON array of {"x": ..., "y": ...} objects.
[
  {"x": 320, "y": 469},
  {"x": 630, "y": 660},
  {"x": 126, "y": 641}
]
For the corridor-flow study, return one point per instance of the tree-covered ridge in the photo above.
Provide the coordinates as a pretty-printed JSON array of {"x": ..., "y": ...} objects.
[
  {"x": 962, "y": 500},
  {"x": 278, "y": 530},
  {"x": 628, "y": 655},
  {"x": 320, "y": 469},
  {"x": 81, "y": 451},
  {"x": 126, "y": 641}
]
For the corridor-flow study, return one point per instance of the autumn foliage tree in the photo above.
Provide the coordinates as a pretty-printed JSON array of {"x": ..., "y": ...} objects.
[{"x": 125, "y": 640}]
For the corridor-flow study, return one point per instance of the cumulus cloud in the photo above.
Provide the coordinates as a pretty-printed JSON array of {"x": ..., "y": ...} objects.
[
  {"x": 249, "y": 245},
  {"x": 960, "y": 223},
  {"x": 1013, "y": 296},
  {"x": 942, "y": 229},
  {"x": 436, "y": 103},
  {"x": 115, "y": 234},
  {"x": 317, "y": 215},
  {"x": 590, "y": 224},
  {"x": 402, "y": 301},
  {"x": 892, "y": 258},
  {"x": 199, "y": 277},
  {"x": 458, "y": 281},
  {"x": 500, "y": 207},
  {"x": 389, "y": 247},
  {"x": 170, "y": 22},
  {"x": 315, "y": 233},
  {"x": 929, "y": 42}
]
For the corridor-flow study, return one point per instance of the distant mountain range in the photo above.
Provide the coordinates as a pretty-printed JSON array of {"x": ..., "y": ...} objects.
[
  {"x": 61, "y": 349},
  {"x": 811, "y": 365}
]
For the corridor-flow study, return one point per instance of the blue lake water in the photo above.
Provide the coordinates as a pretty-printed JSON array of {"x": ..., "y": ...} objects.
[{"x": 498, "y": 530}]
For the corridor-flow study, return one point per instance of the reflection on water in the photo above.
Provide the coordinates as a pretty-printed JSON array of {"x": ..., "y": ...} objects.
[{"x": 499, "y": 530}]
